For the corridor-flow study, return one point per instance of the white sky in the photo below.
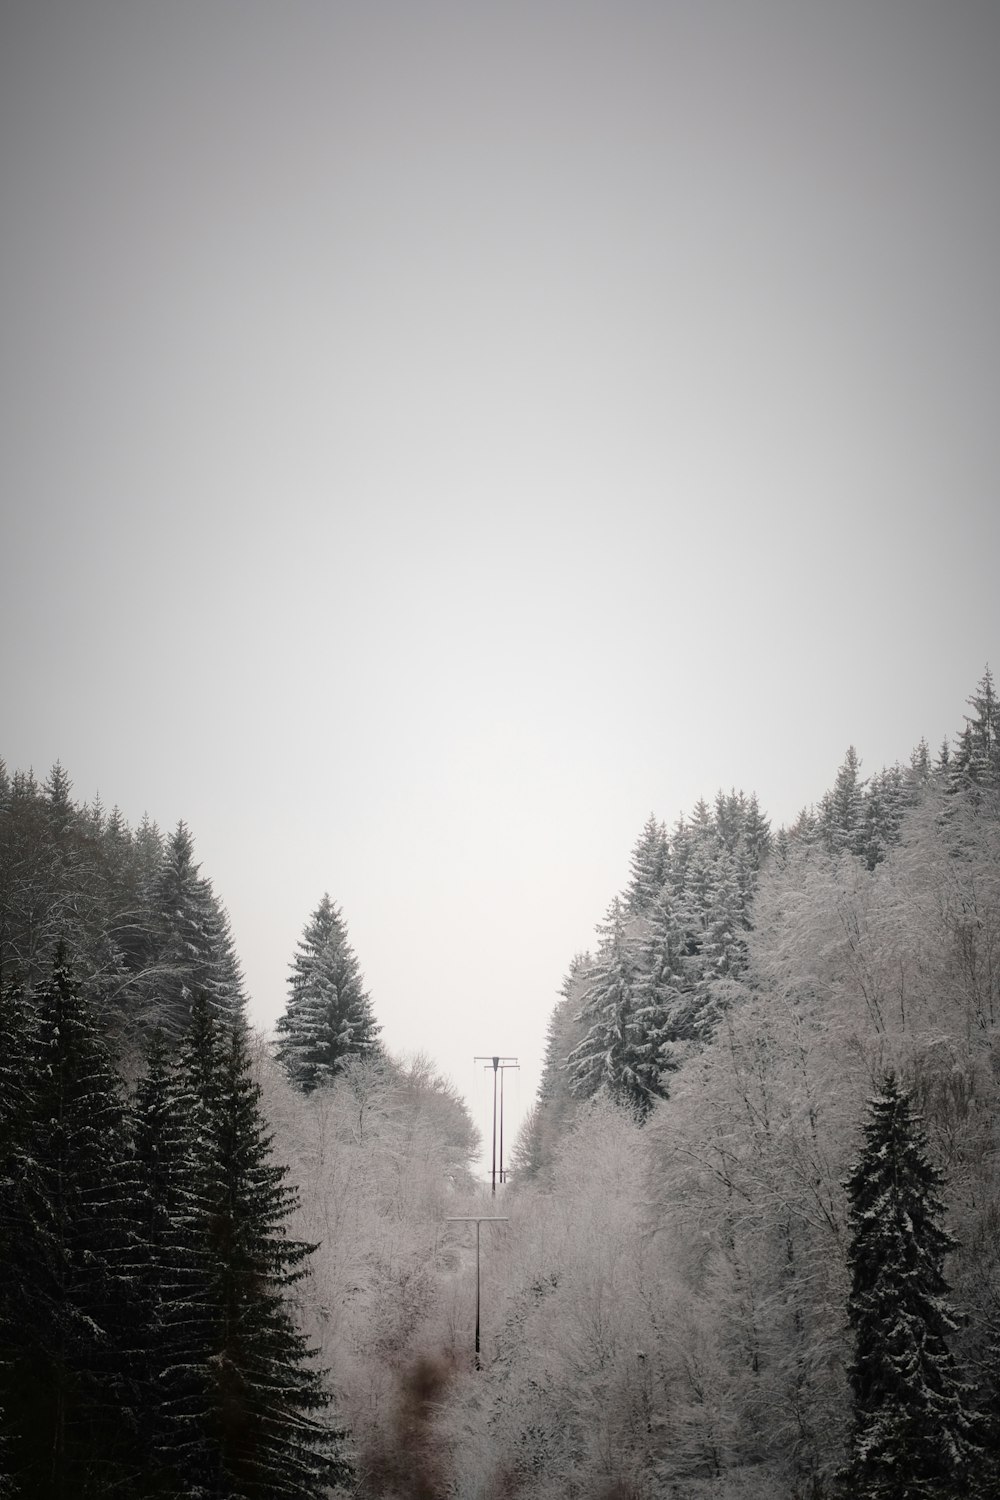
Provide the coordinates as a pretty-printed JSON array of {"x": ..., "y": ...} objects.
[{"x": 434, "y": 436}]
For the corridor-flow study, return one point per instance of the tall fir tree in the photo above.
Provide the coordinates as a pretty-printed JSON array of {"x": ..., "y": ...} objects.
[
  {"x": 193, "y": 946},
  {"x": 268, "y": 1393},
  {"x": 730, "y": 818},
  {"x": 842, "y": 809},
  {"x": 65, "y": 1378},
  {"x": 913, "y": 1434},
  {"x": 755, "y": 845},
  {"x": 622, "y": 1051},
  {"x": 241, "y": 1403},
  {"x": 724, "y": 948},
  {"x": 170, "y": 1270},
  {"x": 648, "y": 866},
  {"x": 977, "y": 762},
  {"x": 15, "y": 1167},
  {"x": 328, "y": 1017},
  {"x": 663, "y": 979}
]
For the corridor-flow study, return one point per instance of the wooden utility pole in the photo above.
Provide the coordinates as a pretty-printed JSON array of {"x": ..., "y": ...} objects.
[
  {"x": 502, "y": 1069},
  {"x": 498, "y": 1064},
  {"x": 477, "y": 1219}
]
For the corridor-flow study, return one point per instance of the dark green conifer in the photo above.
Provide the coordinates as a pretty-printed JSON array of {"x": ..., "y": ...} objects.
[
  {"x": 913, "y": 1434},
  {"x": 65, "y": 1381},
  {"x": 240, "y": 1413},
  {"x": 193, "y": 951},
  {"x": 329, "y": 1015}
]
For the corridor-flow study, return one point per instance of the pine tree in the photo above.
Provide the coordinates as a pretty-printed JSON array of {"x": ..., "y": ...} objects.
[
  {"x": 913, "y": 1434},
  {"x": 842, "y": 808},
  {"x": 193, "y": 947},
  {"x": 978, "y": 757},
  {"x": 241, "y": 1394},
  {"x": 15, "y": 1157},
  {"x": 267, "y": 1390},
  {"x": 730, "y": 818},
  {"x": 921, "y": 770},
  {"x": 806, "y": 831},
  {"x": 170, "y": 1271},
  {"x": 648, "y": 866},
  {"x": 756, "y": 842},
  {"x": 65, "y": 1382},
  {"x": 881, "y": 815},
  {"x": 329, "y": 1014},
  {"x": 622, "y": 1052},
  {"x": 26, "y": 938},
  {"x": 725, "y": 927},
  {"x": 75, "y": 911},
  {"x": 664, "y": 982}
]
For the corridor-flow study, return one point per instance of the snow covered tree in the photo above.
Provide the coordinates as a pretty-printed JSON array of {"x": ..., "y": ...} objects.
[
  {"x": 170, "y": 1272},
  {"x": 754, "y": 847},
  {"x": 669, "y": 982},
  {"x": 842, "y": 808},
  {"x": 756, "y": 833},
  {"x": 264, "y": 1391},
  {"x": 15, "y": 1097},
  {"x": 730, "y": 817},
  {"x": 621, "y": 1053},
  {"x": 648, "y": 865},
  {"x": 238, "y": 1394},
  {"x": 193, "y": 946},
  {"x": 913, "y": 1432},
  {"x": 65, "y": 1384},
  {"x": 329, "y": 1015},
  {"x": 724, "y": 946},
  {"x": 977, "y": 762},
  {"x": 920, "y": 768}
]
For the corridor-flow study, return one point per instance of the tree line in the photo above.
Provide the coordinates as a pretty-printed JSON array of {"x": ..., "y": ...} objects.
[
  {"x": 751, "y": 1243},
  {"x": 146, "y": 1344},
  {"x": 778, "y": 1270},
  {"x": 165, "y": 1312}
]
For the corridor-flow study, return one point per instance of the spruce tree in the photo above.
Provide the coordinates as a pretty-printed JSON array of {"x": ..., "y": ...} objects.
[
  {"x": 193, "y": 951},
  {"x": 15, "y": 1159},
  {"x": 842, "y": 808},
  {"x": 978, "y": 758},
  {"x": 240, "y": 1403},
  {"x": 754, "y": 848},
  {"x": 329, "y": 1015},
  {"x": 622, "y": 1051},
  {"x": 170, "y": 1271},
  {"x": 913, "y": 1435},
  {"x": 648, "y": 865},
  {"x": 664, "y": 982},
  {"x": 730, "y": 818},
  {"x": 65, "y": 1380},
  {"x": 267, "y": 1392}
]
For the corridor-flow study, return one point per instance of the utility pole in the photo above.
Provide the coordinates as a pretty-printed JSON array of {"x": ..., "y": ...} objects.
[
  {"x": 502, "y": 1068},
  {"x": 477, "y": 1219},
  {"x": 498, "y": 1063}
]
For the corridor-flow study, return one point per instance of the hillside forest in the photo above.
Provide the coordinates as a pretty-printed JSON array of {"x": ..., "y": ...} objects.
[{"x": 749, "y": 1246}]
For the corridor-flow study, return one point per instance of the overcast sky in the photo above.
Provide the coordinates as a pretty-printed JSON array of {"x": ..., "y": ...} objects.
[{"x": 434, "y": 436}]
